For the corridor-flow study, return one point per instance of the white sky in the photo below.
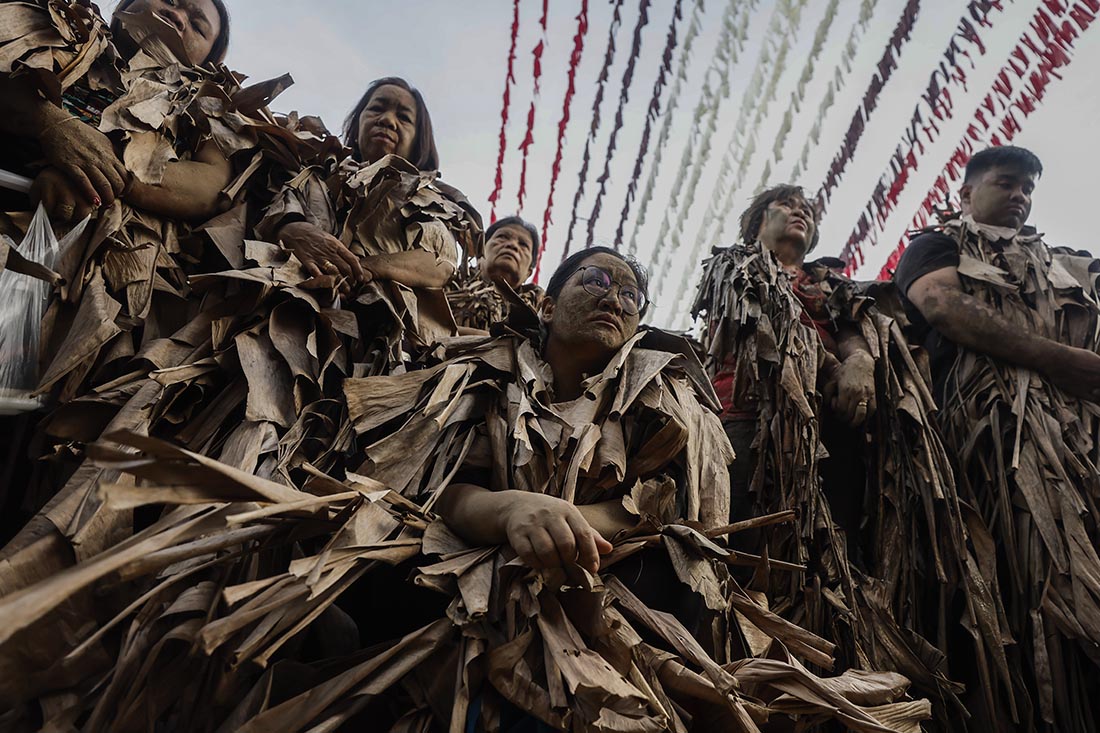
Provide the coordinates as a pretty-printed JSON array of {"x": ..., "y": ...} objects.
[{"x": 455, "y": 52}]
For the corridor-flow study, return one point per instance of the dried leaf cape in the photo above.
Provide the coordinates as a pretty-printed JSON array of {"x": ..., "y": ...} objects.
[
  {"x": 925, "y": 554},
  {"x": 1027, "y": 456},
  {"x": 204, "y": 617},
  {"x": 478, "y": 303}
]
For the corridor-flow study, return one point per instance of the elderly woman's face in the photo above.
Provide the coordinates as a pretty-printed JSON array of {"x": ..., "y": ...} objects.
[
  {"x": 196, "y": 22},
  {"x": 582, "y": 315},
  {"x": 508, "y": 255},
  {"x": 387, "y": 125}
]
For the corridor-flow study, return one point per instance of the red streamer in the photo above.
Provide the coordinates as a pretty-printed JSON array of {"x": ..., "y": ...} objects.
[
  {"x": 601, "y": 82},
  {"x": 530, "y": 136},
  {"x": 935, "y": 105},
  {"x": 624, "y": 97},
  {"x": 509, "y": 78},
  {"x": 570, "y": 90},
  {"x": 651, "y": 114},
  {"x": 1050, "y": 43}
]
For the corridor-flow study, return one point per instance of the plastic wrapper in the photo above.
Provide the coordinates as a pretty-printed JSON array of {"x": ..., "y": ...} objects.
[{"x": 22, "y": 306}]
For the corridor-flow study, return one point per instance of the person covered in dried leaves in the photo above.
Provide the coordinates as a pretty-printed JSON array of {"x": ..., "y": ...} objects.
[
  {"x": 830, "y": 416},
  {"x": 380, "y": 225},
  {"x": 1011, "y": 327},
  {"x": 562, "y": 488},
  {"x": 479, "y": 299}
]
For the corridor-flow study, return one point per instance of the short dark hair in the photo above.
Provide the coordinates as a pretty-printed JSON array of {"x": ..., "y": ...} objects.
[
  {"x": 519, "y": 222},
  {"x": 753, "y": 217},
  {"x": 572, "y": 263},
  {"x": 424, "y": 154},
  {"x": 221, "y": 43},
  {"x": 1008, "y": 156}
]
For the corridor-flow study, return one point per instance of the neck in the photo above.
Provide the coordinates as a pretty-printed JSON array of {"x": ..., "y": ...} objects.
[
  {"x": 571, "y": 366},
  {"x": 788, "y": 253},
  {"x": 492, "y": 277}
]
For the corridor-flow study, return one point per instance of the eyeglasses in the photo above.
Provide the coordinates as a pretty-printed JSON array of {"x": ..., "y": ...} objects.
[{"x": 597, "y": 281}]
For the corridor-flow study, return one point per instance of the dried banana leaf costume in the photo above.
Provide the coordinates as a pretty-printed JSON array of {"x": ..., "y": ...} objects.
[
  {"x": 1027, "y": 455},
  {"x": 127, "y": 279},
  {"x": 896, "y": 608},
  {"x": 478, "y": 303},
  {"x": 225, "y": 596}
]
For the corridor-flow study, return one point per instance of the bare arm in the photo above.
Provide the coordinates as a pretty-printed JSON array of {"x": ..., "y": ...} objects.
[
  {"x": 190, "y": 189},
  {"x": 23, "y": 111},
  {"x": 977, "y": 326},
  {"x": 415, "y": 269},
  {"x": 546, "y": 532}
]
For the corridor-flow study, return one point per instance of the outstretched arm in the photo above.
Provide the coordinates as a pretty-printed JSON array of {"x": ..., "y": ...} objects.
[{"x": 977, "y": 326}]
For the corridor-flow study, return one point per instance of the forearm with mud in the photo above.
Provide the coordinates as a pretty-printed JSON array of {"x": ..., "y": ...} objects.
[
  {"x": 478, "y": 515},
  {"x": 416, "y": 269},
  {"x": 977, "y": 326},
  {"x": 190, "y": 190},
  {"x": 23, "y": 111}
]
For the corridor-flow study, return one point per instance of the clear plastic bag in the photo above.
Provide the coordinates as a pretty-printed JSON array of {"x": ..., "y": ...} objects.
[{"x": 22, "y": 304}]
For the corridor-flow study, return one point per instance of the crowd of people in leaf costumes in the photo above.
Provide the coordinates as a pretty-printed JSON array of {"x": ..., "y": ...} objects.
[{"x": 319, "y": 457}]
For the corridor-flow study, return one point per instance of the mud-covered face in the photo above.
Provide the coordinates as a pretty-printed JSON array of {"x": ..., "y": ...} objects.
[
  {"x": 189, "y": 27},
  {"x": 594, "y": 323},
  {"x": 1001, "y": 196},
  {"x": 387, "y": 125},
  {"x": 509, "y": 255},
  {"x": 789, "y": 220}
]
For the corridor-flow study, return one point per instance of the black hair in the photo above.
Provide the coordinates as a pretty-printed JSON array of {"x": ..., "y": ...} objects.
[
  {"x": 520, "y": 222},
  {"x": 1008, "y": 156},
  {"x": 573, "y": 262},
  {"x": 753, "y": 217},
  {"x": 217, "y": 52},
  {"x": 424, "y": 154}
]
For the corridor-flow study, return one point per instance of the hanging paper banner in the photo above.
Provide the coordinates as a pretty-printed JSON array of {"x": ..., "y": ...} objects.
[
  {"x": 704, "y": 122},
  {"x": 601, "y": 83},
  {"x": 935, "y": 105},
  {"x": 1016, "y": 92},
  {"x": 652, "y": 111},
  {"x": 509, "y": 78},
  {"x": 624, "y": 97},
  {"x": 903, "y": 31},
  {"x": 754, "y": 107},
  {"x": 563, "y": 123},
  {"x": 836, "y": 84},
  {"x": 529, "y": 137},
  {"x": 666, "y": 125}
]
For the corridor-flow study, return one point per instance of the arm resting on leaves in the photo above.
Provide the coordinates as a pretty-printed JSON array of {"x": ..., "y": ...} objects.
[
  {"x": 190, "y": 190},
  {"x": 415, "y": 269}
]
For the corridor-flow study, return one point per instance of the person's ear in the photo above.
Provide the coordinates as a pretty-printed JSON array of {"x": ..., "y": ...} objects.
[
  {"x": 546, "y": 310},
  {"x": 964, "y": 193}
]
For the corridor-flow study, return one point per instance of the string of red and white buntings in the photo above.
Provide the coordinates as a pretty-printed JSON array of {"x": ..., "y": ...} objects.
[
  {"x": 690, "y": 35},
  {"x": 715, "y": 91},
  {"x": 651, "y": 113},
  {"x": 934, "y": 105},
  {"x": 529, "y": 136},
  {"x": 509, "y": 79},
  {"x": 601, "y": 83},
  {"x": 624, "y": 97},
  {"x": 563, "y": 123},
  {"x": 1020, "y": 85}
]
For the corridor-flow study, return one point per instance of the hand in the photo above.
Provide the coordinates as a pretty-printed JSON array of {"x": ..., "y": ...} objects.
[
  {"x": 57, "y": 194},
  {"x": 854, "y": 381},
  {"x": 86, "y": 157},
  {"x": 1077, "y": 372},
  {"x": 547, "y": 532},
  {"x": 323, "y": 254}
]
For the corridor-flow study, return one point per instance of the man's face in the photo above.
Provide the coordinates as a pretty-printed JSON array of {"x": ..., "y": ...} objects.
[
  {"x": 1000, "y": 196},
  {"x": 508, "y": 255},
  {"x": 791, "y": 221}
]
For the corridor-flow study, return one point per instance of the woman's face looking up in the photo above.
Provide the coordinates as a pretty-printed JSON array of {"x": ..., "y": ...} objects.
[
  {"x": 387, "y": 125},
  {"x": 196, "y": 21}
]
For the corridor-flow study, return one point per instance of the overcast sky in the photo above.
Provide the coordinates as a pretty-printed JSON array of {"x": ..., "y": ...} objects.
[{"x": 455, "y": 53}]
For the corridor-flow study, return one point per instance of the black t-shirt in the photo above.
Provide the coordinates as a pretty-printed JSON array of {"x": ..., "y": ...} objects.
[{"x": 927, "y": 253}]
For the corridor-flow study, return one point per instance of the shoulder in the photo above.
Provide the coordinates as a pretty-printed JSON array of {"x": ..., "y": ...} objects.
[{"x": 927, "y": 252}]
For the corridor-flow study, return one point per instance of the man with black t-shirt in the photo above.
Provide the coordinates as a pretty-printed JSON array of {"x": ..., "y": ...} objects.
[{"x": 1012, "y": 327}]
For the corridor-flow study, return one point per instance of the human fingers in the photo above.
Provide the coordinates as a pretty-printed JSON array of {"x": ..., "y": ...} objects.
[
  {"x": 313, "y": 269},
  {"x": 117, "y": 176},
  {"x": 525, "y": 550},
  {"x": 81, "y": 183},
  {"x": 106, "y": 193},
  {"x": 565, "y": 540},
  {"x": 348, "y": 259},
  {"x": 585, "y": 538},
  {"x": 546, "y": 550}
]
